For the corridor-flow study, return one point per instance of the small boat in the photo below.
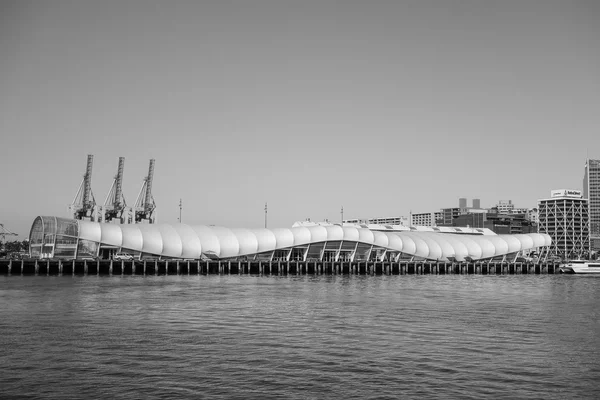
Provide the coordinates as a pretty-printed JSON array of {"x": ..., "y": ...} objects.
[{"x": 581, "y": 267}]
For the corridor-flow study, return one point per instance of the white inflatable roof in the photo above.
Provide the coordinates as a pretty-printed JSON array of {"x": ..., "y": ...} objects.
[{"x": 186, "y": 241}]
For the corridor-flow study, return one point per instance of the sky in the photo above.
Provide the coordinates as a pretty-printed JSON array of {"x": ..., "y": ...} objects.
[{"x": 380, "y": 107}]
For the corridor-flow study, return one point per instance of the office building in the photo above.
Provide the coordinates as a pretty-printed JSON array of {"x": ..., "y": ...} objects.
[{"x": 564, "y": 217}]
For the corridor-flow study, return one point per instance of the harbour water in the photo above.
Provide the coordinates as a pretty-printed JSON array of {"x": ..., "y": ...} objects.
[{"x": 300, "y": 337}]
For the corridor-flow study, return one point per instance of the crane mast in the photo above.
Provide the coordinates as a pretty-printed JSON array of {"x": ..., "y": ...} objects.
[
  {"x": 83, "y": 206},
  {"x": 145, "y": 205},
  {"x": 119, "y": 184},
  {"x": 87, "y": 180},
  {"x": 115, "y": 207},
  {"x": 149, "y": 200}
]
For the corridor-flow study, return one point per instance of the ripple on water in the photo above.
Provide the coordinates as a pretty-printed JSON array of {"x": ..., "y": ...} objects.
[{"x": 299, "y": 337}]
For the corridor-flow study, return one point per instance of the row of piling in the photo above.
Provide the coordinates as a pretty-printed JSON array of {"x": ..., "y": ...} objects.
[{"x": 197, "y": 267}]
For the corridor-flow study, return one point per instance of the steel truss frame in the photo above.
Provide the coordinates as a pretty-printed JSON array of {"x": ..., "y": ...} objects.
[{"x": 567, "y": 223}]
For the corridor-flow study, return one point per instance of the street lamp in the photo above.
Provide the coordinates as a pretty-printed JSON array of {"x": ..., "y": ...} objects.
[{"x": 180, "y": 207}]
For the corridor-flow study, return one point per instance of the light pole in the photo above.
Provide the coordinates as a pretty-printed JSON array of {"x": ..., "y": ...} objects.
[
  {"x": 180, "y": 207},
  {"x": 265, "y": 215}
]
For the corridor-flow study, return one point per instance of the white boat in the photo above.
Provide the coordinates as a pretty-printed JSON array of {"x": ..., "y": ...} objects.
[{"x": 581, "y": 267}]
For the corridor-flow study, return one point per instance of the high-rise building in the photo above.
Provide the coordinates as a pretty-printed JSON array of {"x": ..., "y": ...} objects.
[
  {"x": 462, "y": 203},
  {"x": 591, "y": 192},
  {"x": 564, "y": 216},
  {"x": 476, "y": 203}
]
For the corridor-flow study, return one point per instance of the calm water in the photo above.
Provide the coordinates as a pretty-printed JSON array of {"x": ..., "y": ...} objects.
[{"x": 350, "y": 337}]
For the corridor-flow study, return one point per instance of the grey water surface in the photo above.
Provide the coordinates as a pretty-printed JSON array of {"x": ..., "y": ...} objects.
[{"x": 300, "y": 337}]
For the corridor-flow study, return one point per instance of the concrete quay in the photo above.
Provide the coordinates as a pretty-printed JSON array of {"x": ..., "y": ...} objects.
[{"x": 275, "y": 268}]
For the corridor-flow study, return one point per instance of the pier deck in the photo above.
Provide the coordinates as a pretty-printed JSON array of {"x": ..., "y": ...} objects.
[{"x": 184, "y": 267}]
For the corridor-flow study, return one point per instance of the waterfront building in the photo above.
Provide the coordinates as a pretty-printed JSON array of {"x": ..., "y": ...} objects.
[
  {"x": 591, "y": 192},
  {"x": 565, "y": 218},
  {"x": 505, "y": 207},
  {"x": 474, "y": 220},
  {"x": 425, "y": 219},
  {"x": 380, "y": 221},
  {"x": 510, "y": 223},
  {"x": 533, "y": 215},
  {"x": 463, "y": 215},
  {"x": 421, "y": 219},
  {"x": 448, "y": 215},
  {"x": 60, "y": 238},
  {"x": 438, "y": 215},
  {"x": 498, "y": 223}
]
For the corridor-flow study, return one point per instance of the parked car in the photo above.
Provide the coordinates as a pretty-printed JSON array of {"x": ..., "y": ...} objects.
[
  {"x": 524, "y": 259},
  {"x": 122, "y": 256}
]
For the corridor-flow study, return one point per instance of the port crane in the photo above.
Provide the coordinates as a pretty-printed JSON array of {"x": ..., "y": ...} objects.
[
  {"x": 115, "y": 207},
  {"x": 3, "y": 234},
  {"x": 83, "y": 206},
  {"x": 144, "y": 209}
]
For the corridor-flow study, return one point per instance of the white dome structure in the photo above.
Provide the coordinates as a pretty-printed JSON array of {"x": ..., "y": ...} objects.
[{"x": 54, "y": 237}]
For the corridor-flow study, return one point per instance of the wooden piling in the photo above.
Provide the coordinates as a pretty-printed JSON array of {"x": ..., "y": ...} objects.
[{"x": 264, "y": 268}]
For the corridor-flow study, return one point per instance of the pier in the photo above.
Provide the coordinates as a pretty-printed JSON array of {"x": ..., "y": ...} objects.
[{"x": 274, "y": 268}]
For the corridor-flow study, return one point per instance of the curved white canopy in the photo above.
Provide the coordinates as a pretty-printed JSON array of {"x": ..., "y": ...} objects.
[{"x": 186, "y": 241}]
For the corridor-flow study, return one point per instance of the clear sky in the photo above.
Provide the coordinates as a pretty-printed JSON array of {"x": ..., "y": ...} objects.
[{"x": 382, "y": 107}]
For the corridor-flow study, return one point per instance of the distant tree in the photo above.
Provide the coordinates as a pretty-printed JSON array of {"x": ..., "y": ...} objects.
[
  {"x": 16, "y": 246},
  {"x": 12, "y": 247}
]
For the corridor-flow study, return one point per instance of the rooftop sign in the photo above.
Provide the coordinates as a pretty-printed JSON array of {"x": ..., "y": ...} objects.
[{"x": 566, "y": 193}]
